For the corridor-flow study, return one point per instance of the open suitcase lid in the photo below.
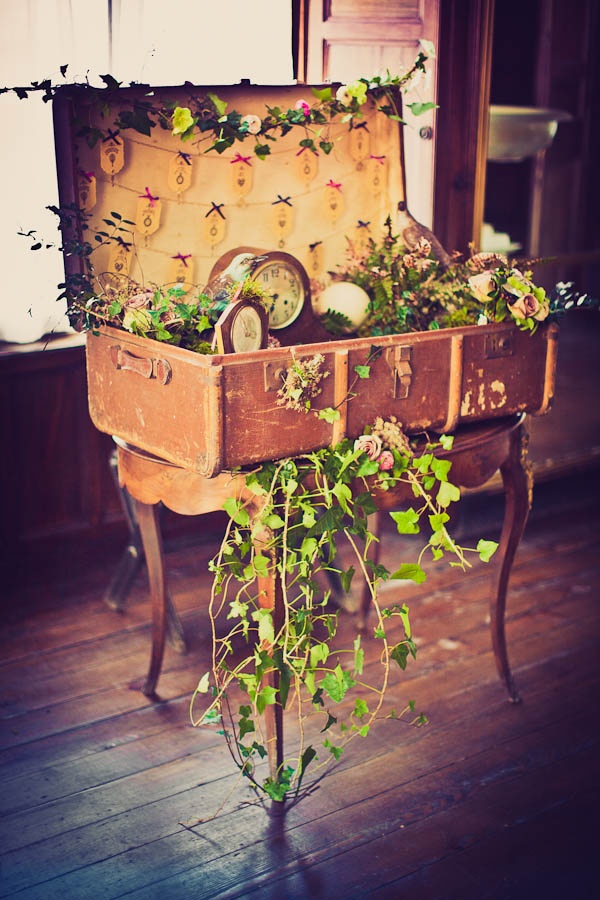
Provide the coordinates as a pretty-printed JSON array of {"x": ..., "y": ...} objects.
[{"x": 308, "y": 193}]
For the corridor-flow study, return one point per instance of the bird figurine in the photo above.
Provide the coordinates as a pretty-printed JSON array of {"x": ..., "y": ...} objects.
[
  {"x": 221, "y": 288},
  {"x": 412, "y": 231}
]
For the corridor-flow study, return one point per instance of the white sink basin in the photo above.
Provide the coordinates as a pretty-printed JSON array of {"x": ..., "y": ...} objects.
[{"x": 517, "y": 132}]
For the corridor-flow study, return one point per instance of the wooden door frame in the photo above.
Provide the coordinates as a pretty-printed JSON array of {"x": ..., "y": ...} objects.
[{"x": 464, "y": 70}]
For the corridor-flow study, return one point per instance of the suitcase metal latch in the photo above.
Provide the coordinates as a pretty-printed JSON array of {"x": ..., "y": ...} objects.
[
  {"x": 498, "y": 346},
  {"x": 398, "y": 359}
]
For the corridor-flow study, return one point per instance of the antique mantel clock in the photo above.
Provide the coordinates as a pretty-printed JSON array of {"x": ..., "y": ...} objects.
[
  {"x": 242, "y": 327},
  {"x": 290, "y": 314}
]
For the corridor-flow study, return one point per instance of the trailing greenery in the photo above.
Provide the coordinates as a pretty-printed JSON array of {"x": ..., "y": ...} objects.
[{"x": 289, "y": 524}]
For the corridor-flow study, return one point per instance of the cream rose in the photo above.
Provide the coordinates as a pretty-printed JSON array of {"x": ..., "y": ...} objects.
[
  {"x": 369, "y": 444},
  {"x": 254, "y": 123},
  {"x": 482, "y": 286}
]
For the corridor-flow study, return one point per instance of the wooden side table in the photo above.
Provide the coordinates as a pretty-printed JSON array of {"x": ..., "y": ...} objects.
[{"x": 479, "y": 451}]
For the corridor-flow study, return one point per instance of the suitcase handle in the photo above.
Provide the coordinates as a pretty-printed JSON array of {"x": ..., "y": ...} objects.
[{"x": 160, "y": 369}]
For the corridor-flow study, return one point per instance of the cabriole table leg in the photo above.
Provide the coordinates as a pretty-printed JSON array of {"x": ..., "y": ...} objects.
[
  {"x": 518, "y": 490},
  {"x": 147, "y": 517}
]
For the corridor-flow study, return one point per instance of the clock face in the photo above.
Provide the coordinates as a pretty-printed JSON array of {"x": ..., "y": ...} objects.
[
  {"x": 246, "y": 330},
  {"x": 285, "y": 280},
  {"x": 242, "y": 327}
]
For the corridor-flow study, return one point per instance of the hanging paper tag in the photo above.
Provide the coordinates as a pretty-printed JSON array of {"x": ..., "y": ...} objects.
[
  {"x": 112, "y": 153},
  {"x": 283, "y": 219},
  {"x": 333, "y": 200},
  {"x": 360, "y": 146},
  {"x": 315, "y": 260},
  {"x": 377, "y": 173},
  {"x": 214, "y": 228},
  {"x": 86, "y": 187},
  {"x": 181, "y": 271},
  {"x": 307, "y": 165},
  {"x": 179, "y": 178},
  {"x": 240, "y": 175},
  {"x": 147, "y": 218},
  {"x": 119, "y": 260},
  {"x": 361, "y": 237}
]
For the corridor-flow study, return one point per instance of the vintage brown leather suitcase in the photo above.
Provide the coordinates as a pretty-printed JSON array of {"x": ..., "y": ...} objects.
[{"x": 210, "y": 413}]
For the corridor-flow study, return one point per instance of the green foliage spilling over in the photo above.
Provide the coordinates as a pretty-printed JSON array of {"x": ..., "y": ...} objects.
[{"x": 290, "y": 523}]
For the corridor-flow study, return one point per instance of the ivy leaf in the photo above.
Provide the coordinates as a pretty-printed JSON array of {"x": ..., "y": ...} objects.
[
  {"x": 343, "y": 494},
  {"x": 336, "y": 752},
  {"x": 246, "y": 726},
  {"x": 486, "y": 549},
  {"x": 440, "y": 468},
  {"x": 367, "y": 467},
  {"x": 337, "y": 683},
  {"x": 399, "y": 654},
  {"x": 447, "y": 441},
  {"x": 417, "y": 109},
  {"x": 322, "y": 94},
  {"x": 138, "y": 119},
  {"x": 204, "y": 684},
  {"x": 407, "y": 521},
  {"x": 359, "y": 656},
  {"x": 236, "y": 511},
  {"x": 219, "y": 105},
  {"x": 410, "y": 572},
  {"x": 329, "y": 415},
  {"x": 346, "y": 578},
  {"x": 261, "y": 565},
  {"x": 262, "y": 150},
  {"x": 360, "y": 708},
  {"x": 274, "y": 521},
  {"x": 363, "y": 371},
  {"x": 447, "y": 494},
  {"x": 267, "y": 696},
  {"x": 438, "y": 521}
]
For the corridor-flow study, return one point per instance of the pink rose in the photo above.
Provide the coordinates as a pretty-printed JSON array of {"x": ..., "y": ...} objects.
[
  {"x": 482, "y": 285},
  {"x": 303, "y": 105},
  {"x": 369, "y": 444},
  {"x": 140, "y": 301},
  {"x": 524, "y": 306},
  {"x": 386, "y": 460}
]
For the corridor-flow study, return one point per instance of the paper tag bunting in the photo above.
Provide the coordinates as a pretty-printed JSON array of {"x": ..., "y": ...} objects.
[
  {"x": 112, "y": 153},
  {"x": 360, "y": 146},
  {"x": 241, "y": 175},
  {"x": 282, "y": 218},
  {"x": 214, "y": 227},
  {"x": 333, "y": 200},
  {"x": 179, "y": 178},
  {"x": 377, "y": 173},
  {"x": 307, "y": 165},
  {"x": 119, "y": 260},
  {"x": 181, "y": 270},
  {"x": 86, "y": 189},
  {"x": 314, "y": 265}
]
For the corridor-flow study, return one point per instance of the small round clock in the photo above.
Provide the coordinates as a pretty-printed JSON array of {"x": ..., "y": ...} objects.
[
  {"x": 286, "y": 281},
  {"x": 242, "y": 327}
]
